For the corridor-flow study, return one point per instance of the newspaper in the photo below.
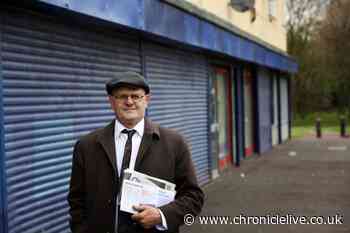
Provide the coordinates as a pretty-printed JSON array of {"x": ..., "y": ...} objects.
[{"x": 139, "y": 188}]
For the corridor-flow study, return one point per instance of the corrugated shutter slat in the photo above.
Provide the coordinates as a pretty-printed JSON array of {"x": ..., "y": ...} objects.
[
  {"x": 179, "y": 84},
  {"x": 53, "y": 79},
  {"x": 264, "y": 109}
]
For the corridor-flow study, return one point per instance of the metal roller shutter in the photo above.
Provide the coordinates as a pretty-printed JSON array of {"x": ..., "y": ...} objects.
[
  {"x": 284, "y": 108},
  {"x": 53, "y": 92},
  {"x": 264, "y": 111},
  {"x": 179, "y": 83}
]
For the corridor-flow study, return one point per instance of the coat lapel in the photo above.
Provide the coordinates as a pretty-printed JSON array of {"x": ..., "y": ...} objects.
[
  {"x": 106, "y": 139},
  {"x": 151, "y": 133}
]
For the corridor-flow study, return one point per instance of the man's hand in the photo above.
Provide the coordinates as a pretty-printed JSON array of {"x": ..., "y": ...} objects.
[{"x": 147, "y": 216}]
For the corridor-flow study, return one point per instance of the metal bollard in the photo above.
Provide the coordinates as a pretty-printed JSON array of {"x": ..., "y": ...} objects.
[
  {"x": 342, "y": 127},
  {"x": 318, "y": 128}
]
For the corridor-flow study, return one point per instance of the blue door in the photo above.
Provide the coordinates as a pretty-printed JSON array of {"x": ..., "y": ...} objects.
[{"x": 264, "y": 106}]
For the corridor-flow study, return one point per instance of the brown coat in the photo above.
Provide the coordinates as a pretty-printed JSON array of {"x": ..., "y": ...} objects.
[{"x": 163, "y": 153}]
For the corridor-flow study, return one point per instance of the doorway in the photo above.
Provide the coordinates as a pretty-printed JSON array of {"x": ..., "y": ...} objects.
[
  {"x": 249, "y": 145},
  {"x": 222, "y": 117}
]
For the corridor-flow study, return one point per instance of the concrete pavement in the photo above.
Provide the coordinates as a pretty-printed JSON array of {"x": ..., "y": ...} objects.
[{"x": 306, "y": 177}]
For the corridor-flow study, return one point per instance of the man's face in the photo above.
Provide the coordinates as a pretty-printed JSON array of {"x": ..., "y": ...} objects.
[{"x": 129, "y": 105}]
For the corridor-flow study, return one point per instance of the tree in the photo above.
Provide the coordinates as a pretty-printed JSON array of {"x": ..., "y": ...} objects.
[
  {"x": 303, "y": 19},
  {"x": 334, "y": 34}
]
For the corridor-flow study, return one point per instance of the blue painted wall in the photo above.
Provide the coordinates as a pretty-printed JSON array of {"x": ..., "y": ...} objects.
[{"x": 169, "y": 22}]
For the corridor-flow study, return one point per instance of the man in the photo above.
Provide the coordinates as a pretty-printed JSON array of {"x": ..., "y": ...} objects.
[{"x": 130, "y": 141}]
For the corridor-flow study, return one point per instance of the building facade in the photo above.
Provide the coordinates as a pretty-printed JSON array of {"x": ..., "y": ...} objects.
[
  {"x": 224, "y": 85},
  {"x": 264, "y": 19}
]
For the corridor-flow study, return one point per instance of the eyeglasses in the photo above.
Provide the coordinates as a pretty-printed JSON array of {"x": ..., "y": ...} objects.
[{"x": 135, "y": 98}]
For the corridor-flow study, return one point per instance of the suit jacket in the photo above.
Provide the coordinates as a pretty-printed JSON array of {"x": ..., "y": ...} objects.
[{"x": 163, "y": 153}]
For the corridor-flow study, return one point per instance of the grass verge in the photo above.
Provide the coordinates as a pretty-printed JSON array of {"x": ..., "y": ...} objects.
[{"x": 303, "y": 126}]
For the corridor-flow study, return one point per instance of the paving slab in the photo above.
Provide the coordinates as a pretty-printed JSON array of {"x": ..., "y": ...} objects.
[{"x": 302, "y": 178}]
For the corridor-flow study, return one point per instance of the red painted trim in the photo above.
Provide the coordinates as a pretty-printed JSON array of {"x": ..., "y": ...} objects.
[
  {"x": 221, "y": 71},
  {"x": 221, "y": 164},
  {"x": 248, "y": 151},
  {"x": 229, "y": 118},
  {"x": 248, "y": 76},
  {"x": 225, "y": 161},
  {"x": 228, "y": 159}
]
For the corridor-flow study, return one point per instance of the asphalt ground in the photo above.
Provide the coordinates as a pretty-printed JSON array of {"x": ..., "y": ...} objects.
[{"x": 302, "y": 180}]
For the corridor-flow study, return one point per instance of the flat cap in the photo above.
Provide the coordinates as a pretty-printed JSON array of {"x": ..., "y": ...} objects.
[{"x": 127, "y": 79}]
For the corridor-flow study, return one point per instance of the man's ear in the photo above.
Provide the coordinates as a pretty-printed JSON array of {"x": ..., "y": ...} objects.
[{"x": 147, "y": 99}]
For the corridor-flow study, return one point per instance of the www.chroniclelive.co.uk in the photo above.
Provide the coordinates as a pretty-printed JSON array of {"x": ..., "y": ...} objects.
[{"x": 267, "y": 219}]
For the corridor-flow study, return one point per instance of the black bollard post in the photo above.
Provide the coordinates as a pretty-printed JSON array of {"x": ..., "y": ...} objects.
[
  {"x": 318, "y": 128},
  {"x": 342, "y": 126}
]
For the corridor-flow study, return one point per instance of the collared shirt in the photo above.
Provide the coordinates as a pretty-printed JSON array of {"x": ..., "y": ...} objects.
[{"x": 120, "y": 141}]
